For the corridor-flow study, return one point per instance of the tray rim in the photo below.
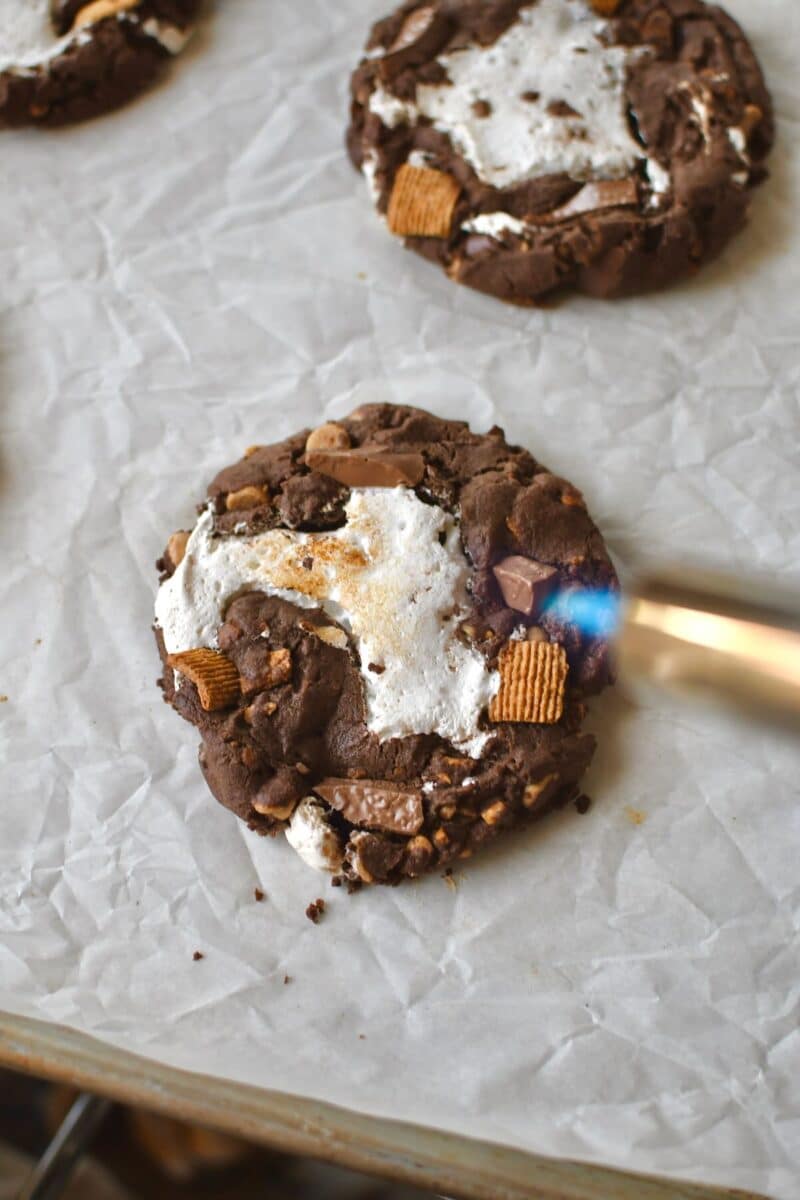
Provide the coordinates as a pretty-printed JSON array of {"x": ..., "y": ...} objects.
[{"x": 442, "y": 1162}]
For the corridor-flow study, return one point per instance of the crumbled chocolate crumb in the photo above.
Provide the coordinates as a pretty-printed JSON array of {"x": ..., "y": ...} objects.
[
  {"x": 287, "y": 979},
  {"x": 315, "y": 910},
  {"x": 562, "y": 108},
  {"x": 583, "y": 804},
  {"x": 197, "y": 956},
  {"x": 258, "y": 895}
]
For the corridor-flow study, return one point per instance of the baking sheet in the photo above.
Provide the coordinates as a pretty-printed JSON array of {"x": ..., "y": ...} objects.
[{"x": 202, "y": 271}]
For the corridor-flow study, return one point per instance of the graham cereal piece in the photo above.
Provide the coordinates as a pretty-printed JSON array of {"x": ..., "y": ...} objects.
[
  {"x": 214, "y": 676},
  {"x": 329, "y": 436},
  {"x": 534, "y": 790},
  {"x": 246, "y": 497},
  {"x": 422, "y": 202},
  {"x": 532, "y": 680},
  {"x": 98, "y": 10},
  {"x": 753, "y": 116},
  {"x": 277, "y": 669},
  {"x": 605, "y": 8},
  {"x": 176, "y": 546},
  {"x": 332, "y": 635}
]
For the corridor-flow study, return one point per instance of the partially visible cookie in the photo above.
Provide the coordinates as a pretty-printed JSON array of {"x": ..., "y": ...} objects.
[
  {"x": 68, "y": 60},
  {"x": 358, "y": 625},
  {"x": 532, "y": 145}
]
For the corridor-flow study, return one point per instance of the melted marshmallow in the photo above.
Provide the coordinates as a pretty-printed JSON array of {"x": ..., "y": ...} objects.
[
  {"x": 554, "y": 49},
  {"x": 310, "y": 836},
  {"x": 385, "y": 577},
  {"x": 28, "y": 40},
  {"x": 495, "y": 224}
]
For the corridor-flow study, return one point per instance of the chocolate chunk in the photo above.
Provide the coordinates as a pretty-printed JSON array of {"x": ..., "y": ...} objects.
[
  {"x": 603, "y": 193},
  {"x": 562, "y": 108},
  {"x": 374, "y": 804},
  {"x": 422, "y": 33},
  {"x": 368, "y": 468},
  {"x": 525, "y": 583}
]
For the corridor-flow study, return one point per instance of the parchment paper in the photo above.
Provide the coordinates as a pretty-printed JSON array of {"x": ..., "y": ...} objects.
[{"x": 203, "y": 271}]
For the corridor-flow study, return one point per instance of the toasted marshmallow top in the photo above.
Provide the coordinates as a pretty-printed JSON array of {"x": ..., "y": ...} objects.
[{"x": 385, "y": 576}]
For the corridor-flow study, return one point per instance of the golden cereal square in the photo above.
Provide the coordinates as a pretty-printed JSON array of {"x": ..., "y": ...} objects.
[
  {"x": 422, "y": 202},
  {"x": 533, "y": 677}
]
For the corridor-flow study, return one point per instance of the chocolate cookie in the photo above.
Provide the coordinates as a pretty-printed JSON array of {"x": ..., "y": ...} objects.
[
  {"x": 358, "y": 626},
  {"x": 532, "y": 145},
  {"x": 67, "y": 60}
]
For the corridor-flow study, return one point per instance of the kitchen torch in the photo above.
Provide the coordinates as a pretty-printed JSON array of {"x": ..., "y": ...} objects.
[{"x": 703, "y": 634}]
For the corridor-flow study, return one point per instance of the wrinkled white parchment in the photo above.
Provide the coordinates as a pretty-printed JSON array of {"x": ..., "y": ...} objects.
[{"x": 203, "y": 271}]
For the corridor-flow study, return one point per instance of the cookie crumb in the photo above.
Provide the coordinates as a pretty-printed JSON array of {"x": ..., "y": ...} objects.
[
  {"x": 583, "y": 804},
  {"x": 634, "y": 815},
  {"x": 258, "y": 895},
  {"x": 197, "y": 956},
  {"x": 315, "y": 910},
  {"x": 3, "y": 699},
  {"x": 287, "y": 979},
  {"x": 450, "y": 879},
  {"x": 362, "y": 1037}
]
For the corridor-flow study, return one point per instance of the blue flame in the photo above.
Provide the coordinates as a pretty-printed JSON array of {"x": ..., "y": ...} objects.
[{"x": 596, "y": 613}]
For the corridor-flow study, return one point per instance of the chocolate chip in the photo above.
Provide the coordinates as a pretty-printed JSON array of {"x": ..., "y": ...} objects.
[
  {"x": 368, "y": 468},
  {"x": 561, "y": 108},
  {"x": 599, "y": 194},
  {"x": 482, "y": 108},
  {"x": 374, "y": 804},
  {"x": 525, "y": 583},
  {"x": 530, "y": 96}
]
